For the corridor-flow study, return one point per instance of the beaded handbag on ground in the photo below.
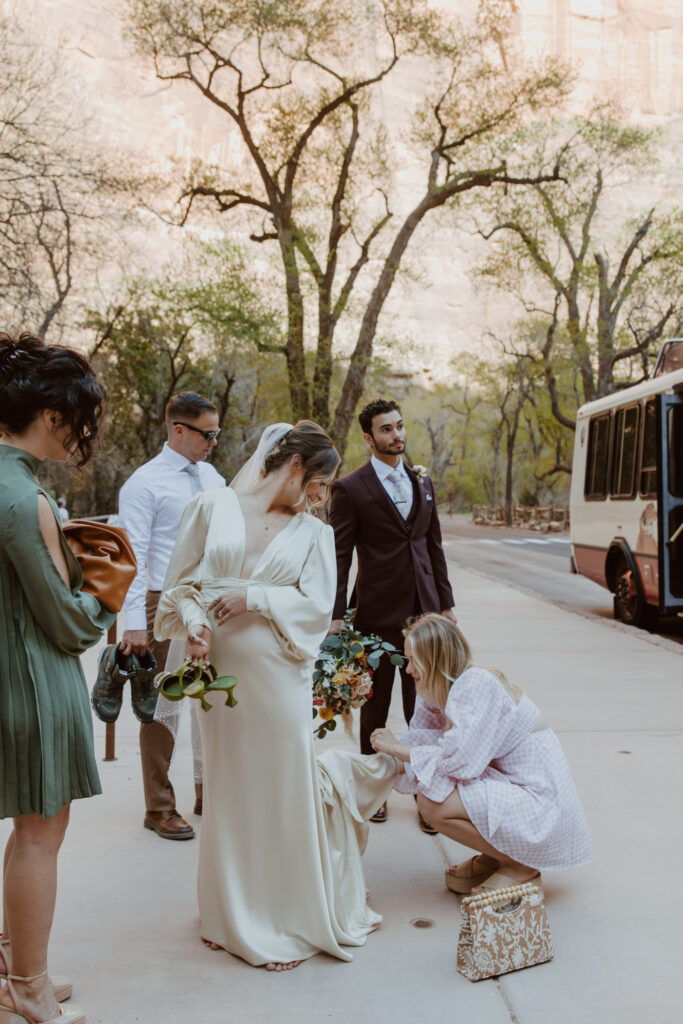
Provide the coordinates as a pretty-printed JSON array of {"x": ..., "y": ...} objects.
[{"x": 502, "y": 931}]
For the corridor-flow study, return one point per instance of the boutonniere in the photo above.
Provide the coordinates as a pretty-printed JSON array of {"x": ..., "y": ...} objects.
[{"x": 421, "y": 472}]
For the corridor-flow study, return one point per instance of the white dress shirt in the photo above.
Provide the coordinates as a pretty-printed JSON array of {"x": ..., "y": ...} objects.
[
  {"x": 151, "y": 504},
  {"x": 383, "y": 470}
]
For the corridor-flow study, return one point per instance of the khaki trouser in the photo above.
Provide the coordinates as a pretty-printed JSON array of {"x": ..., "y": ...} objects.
[{"x": 156, "y": 741}]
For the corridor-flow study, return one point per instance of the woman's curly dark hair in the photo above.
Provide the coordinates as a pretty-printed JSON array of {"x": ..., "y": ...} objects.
[{"x": 35, "y": 376}]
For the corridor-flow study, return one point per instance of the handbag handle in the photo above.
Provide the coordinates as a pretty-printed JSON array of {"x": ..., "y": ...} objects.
[{"x": 489, "y": 899}]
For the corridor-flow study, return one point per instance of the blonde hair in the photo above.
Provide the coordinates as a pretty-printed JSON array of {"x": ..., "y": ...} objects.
[{"x": 441, "y": 654}]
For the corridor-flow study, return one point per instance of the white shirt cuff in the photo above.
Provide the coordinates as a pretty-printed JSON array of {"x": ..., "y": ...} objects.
[{"x": 136, "y": 619}]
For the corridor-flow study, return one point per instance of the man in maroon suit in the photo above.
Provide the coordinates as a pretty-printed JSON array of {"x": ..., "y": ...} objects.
[{"x": 389, "y": 516}]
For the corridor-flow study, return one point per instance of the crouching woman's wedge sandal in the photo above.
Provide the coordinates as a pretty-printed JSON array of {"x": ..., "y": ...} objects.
[
  {"x": 62, "y": 987},
  {"x": 68, "y": 1015}
]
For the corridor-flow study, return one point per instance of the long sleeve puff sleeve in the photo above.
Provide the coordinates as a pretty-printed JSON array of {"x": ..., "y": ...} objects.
[
  {"x": 482, "y": 715},
  {"x": 425, "y": 730},
  {"x": 71, "y": 619},
  {"x": 181, "y": 609},
  {"x": 301, "y": 614}
]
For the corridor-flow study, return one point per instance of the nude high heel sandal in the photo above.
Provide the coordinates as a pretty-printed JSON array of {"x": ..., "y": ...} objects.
[
  {"x": 72, "y": 1015},
  {"x": 62, "y": 987}
]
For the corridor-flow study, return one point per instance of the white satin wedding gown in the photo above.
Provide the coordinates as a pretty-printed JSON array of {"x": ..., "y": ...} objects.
[{"x": 282, "y": 832}]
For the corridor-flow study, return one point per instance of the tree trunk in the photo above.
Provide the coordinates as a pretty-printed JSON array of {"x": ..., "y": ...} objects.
[
  {"x": 510, "y": 455},
  {"x": 577, "y": 337},
  {"x": 294, "y": 355},
  {"x": 323, "y": 372}
]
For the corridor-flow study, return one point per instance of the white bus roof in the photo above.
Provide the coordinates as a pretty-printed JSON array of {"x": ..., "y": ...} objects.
[{"x": 655, "y": 386}]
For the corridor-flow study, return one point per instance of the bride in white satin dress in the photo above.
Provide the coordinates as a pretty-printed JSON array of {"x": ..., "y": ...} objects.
[{"x": 250, "y": 586}]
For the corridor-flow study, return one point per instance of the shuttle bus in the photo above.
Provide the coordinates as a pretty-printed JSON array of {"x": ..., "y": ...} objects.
[{"x": 626, "y": 498}]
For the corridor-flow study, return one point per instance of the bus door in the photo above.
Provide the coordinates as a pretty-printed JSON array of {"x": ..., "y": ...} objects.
[{"x": 670, "y": 497}]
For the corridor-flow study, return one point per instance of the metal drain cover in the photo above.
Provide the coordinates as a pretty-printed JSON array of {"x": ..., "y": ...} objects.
[{"x": 422, "y": 922}]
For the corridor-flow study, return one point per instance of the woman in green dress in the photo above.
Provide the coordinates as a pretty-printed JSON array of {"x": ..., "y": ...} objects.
[{"x": 50, "y": 408}]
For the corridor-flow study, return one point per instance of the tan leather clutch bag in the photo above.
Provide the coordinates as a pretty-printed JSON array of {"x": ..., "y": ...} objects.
[{"x": 106, "y": 558}]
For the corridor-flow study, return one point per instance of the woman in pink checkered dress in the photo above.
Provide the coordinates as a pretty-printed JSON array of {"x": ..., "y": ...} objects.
[{"x": 487, "y": 770}]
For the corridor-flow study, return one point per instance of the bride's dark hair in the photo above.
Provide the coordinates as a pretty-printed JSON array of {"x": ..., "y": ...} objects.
[
  {"x": 35, "y": 376},
  {"x": 315, "y": 448}
]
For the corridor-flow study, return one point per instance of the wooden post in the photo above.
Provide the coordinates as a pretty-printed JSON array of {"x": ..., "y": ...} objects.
[{"x": 110, "y": 727}]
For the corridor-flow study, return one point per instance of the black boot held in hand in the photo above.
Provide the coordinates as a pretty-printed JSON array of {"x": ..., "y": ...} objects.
[
  {"x": 143, "y": 693},
  {"x": 114, "y": 670}
]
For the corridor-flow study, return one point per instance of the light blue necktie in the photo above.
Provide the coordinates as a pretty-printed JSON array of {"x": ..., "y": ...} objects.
[
  {"x": 401, "y": 492},
  {"x": 193, "y": 469}
]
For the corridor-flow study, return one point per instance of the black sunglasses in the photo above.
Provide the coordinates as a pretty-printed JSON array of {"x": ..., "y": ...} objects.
[{"x": 208, "y": 435}]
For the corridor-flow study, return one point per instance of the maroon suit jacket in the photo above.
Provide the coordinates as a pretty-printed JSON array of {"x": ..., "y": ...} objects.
[{"x": 401, "y": 564}]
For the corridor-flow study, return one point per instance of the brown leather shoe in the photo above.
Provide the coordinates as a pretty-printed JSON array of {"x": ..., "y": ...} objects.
[
  {"x": 168, "y": 825},
  {"x": 381, "y": 814}
]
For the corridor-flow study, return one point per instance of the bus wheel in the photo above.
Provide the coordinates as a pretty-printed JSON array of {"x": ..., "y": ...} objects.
[{"x": 629, "y": 605}]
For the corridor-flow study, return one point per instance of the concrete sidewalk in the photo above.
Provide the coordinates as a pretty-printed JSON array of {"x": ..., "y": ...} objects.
[{"x": 126, "y": 928}]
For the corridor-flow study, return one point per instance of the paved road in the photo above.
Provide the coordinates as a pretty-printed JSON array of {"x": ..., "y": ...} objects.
[{"x": 535, "y": 564}]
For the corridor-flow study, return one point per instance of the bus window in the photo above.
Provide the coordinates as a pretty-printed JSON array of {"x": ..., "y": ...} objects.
[
  {"x": 648, "y": 465},
  {"x": 625, "y": 447},
  {"x": 670, "y": 357},
  {"x": 674, "y": 519},
  {"x": 676, "y": 451},
  {"x": 595, "y": 486}
]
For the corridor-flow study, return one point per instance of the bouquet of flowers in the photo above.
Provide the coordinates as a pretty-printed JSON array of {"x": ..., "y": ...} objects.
[
  {"x": 342, "y": 675},
  {"x": 195, "y": 681}
]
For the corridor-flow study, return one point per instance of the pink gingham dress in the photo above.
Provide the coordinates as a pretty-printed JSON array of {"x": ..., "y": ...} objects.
[{"x": 509, "y": 769}]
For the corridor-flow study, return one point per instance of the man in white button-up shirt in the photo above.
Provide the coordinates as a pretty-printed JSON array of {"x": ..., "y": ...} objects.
[{"x": 151, "y": 504}]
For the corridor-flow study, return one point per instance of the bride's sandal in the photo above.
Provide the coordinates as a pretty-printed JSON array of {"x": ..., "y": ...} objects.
[
  {"x": 62, "y": 987},
  {"x": 72, "y": 1015}
]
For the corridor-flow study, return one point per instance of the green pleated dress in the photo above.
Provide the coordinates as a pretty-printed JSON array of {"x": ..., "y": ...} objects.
[{"x": 46, "y": 741}]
